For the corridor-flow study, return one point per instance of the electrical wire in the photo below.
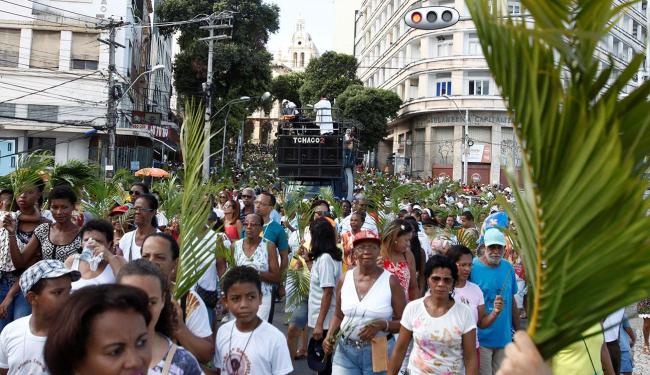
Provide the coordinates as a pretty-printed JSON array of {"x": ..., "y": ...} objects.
[
  {"x": 50, "y": 95},
  {"x": 44, "y": 12},
  {"x": 41, "y": 20},
  {"x": 49, "y": 88},
  {"x": 41, "y": 70},
  {"x": 65, "y": 10},
  {"x": 39, "y": 148}
]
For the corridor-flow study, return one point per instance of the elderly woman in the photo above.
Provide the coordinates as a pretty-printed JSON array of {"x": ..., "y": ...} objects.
[{"x": 369, "y": 304}]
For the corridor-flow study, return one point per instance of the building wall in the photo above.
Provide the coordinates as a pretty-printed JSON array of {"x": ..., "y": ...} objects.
[
  {"x": 54, "y": 73},
  {"x": 344, "y": 23},
  {"x": 443, "y": 78}
]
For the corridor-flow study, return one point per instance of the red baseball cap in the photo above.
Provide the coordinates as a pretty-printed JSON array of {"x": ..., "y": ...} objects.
[
  {"x": 119, "y": 210},
  {"x": 366, "y": 235}
]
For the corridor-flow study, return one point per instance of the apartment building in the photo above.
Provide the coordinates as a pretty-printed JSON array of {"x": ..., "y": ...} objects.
[
  {"x": 54, "y": 80},
  {"x": 446, "y": 86}
]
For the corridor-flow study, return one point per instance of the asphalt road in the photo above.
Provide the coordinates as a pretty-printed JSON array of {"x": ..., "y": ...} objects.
[{"x": 279, "y": 318}]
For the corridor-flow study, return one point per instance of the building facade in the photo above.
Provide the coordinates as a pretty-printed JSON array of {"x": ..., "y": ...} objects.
[
  {"x": 53, "y": 80},
  {"x": 300, "y": 49},
  {"x": 445, "y": 83}
]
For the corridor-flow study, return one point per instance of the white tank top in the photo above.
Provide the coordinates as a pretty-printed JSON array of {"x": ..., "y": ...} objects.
[
  {"x": 376, "y": 304},
  {"x": 106, "y": 277}
]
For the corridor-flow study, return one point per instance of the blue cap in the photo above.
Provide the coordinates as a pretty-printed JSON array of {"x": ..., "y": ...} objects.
[{"x": 493, "y": 236}]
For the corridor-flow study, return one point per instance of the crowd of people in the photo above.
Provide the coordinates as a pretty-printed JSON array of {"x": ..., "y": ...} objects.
[{"x": 426, "y": 290}]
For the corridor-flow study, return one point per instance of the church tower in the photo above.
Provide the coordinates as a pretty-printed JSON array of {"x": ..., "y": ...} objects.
[{"x": 301, "y": 50}]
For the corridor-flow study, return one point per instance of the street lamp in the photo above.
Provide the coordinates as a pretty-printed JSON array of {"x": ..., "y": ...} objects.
[
  {"x": 155, "y": 68},
  {"x": 243, "y": 99},
  {"x": 464, "y": 146}
]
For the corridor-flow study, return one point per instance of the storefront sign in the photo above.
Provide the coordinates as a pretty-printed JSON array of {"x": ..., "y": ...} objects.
[{"x": 479, "y": 153}]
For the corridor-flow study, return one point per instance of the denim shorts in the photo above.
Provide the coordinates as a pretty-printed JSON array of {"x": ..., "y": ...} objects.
[
  {"x": 299, "y": 316},
  {"x": 352, "y": 360}
]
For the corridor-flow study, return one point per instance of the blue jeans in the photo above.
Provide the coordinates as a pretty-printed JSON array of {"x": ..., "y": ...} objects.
[
  {"x": 18, "y": 308},
  {"x": 350, "y": 360}
]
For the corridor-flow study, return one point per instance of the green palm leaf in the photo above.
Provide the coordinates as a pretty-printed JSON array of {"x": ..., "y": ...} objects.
[
  {"x": 299, "y": 280},
  {"x": 194, "y": 258},
  {"x": 580, "y": 217},
  {"x": 29, "y": 172}
]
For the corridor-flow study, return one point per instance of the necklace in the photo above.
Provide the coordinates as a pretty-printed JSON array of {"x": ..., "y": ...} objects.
[{"x": 235, "y": 363}]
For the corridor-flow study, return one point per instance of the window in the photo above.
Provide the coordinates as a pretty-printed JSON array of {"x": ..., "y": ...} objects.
[
  {"x": 7, "y": 110},
  {"x": 302, "y": 59},
  {"x": 45, "y": 49},
  {"x": 473, "y": 45},
  {"x": 13, "y": 162},
  {"x": 42, "y": 112},
  {"x": 10, "y": 146},
  {"x": 37, "y": 143},
  {"x": 443, "y": 88},
  {"x": 9, "y": 47},
  {"x": 514, "y": 7},
  {"x": 441, "y": 46},
  {"x": 85, "y": 51},
  {"x": 479, "y": 87}
]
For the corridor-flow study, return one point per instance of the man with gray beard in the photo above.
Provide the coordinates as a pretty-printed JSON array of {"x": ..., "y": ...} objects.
[{"x": 495, "y": 276}]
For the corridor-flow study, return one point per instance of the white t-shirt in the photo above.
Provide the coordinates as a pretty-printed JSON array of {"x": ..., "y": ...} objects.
[
  {"x": 196, "y": 315},
  {"x": 266, "y": 352},
  {"x": 161, "y": 219},
  {"x": 130, "y": 249},
  {"x": 209, "y": 279},
  {"x": 472, "y": 296},
  {"x": 21, "y": 352},
  {"x": 368, "y": 224},
  {"x": 612, "y": 324},
  {"x": 325, "y": 272},
  {"x": 438, "y": 344}
]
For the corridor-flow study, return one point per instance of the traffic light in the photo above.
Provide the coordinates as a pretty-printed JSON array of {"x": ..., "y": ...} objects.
[{"x": 431, "y": 18}]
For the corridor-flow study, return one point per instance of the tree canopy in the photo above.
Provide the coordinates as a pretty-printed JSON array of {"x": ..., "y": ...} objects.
[
  {"x": 328, "y": 75},
  {"x": 371, "y": 107},
  {"x": 286, "y": 86}
]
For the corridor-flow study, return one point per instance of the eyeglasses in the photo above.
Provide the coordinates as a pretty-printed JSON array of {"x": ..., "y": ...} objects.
[
  {"x": 246, "y": 196},
  {"x": 141, "y": 209},
  {"x": 223, "y": 196},
  {"x": 252, "y": 224},
  {"x": 259, "y": 203},
  {"x": 134, "y": 192},
  {"x": 438, "y": 279},
  {"x": 322, "y": 213}
]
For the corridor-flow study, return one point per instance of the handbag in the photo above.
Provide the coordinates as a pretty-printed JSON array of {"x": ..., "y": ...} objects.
[{"x": 210, "y": 297}]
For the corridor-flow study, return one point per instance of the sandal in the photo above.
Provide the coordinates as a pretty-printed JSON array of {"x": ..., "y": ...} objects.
[{"x": 300, "y": 354}]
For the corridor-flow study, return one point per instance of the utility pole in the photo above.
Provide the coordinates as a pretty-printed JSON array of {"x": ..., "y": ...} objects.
[
  {"x": 111, "y": 111},
  {"x": 215, "y": 22}
]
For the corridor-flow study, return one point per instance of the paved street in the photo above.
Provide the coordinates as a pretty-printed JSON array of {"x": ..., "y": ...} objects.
[{"x": 299, "y": 367}]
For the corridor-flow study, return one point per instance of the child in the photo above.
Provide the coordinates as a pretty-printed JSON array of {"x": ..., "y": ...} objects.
[
  {"x": 46, "y": 286},
  {"x": 248, "y": 345}
]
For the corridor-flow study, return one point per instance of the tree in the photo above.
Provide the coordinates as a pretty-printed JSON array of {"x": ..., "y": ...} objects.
[
  {"x": 373, "y": 108},
  {"x": 286, "y": 86},
  {"x": 241, "y": 65},
  {"x": 328, "y": 75},
  {"x": 582, "y": 224}
]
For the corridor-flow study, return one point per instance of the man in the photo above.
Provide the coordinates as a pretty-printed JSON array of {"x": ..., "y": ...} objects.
[
  {"x": 248, "y": 199},
  {"x": 193, "y": 330},
  {"x": 495, "y": 277},
  {"x": 360, "y": 204},
  {"x": 324, "y": 115},
  {"x": 273, "y": 231},
  {"x": 612, "y": 325},
  {"x": 46, "y": 286}
]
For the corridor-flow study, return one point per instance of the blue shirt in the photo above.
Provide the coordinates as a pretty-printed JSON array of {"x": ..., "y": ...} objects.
[
  {"x": 275, "y": 233},
  {"x": 493, "y": 281}
]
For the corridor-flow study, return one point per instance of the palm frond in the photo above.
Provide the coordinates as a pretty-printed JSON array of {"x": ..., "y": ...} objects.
[
  {"x": 75, "y": 173},
  {"x": 194, "y": 258},
  {"x": 580, "y": 217},
  {"x": 30, "y": 171},
  {"x": 297, "y": 280}
]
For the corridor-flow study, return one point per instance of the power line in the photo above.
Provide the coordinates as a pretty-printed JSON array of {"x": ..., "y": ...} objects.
[
  {"x": 49, "y": 88},
  {"x": 86, "y": 134},
  {"x": 50, "y": 95},
  {"x": 44, "y": 12},
  {"x": 65, "y": 10},
  {"x": 52, "y": 70},
  {"x": 40, "y": 20},
  {"x": 46, "y": 121}
]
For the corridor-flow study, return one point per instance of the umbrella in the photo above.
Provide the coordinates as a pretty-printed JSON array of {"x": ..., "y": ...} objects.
[{"x": 152, "y": 172}]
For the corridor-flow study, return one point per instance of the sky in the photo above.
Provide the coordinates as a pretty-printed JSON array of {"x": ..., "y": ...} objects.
[{"x": 319, "y": 22}]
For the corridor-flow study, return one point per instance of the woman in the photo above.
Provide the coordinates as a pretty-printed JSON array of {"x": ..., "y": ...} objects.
[
  {"x": 232, "y": 225},
  {"x": 347, "y": 208},
  {"x": 13, "y": 303},
  {"x": 470, "y": 294},
  {"x": 643, "y": 309},
  {"x": 147, "y": 276},
  {"x": 443, "y": 331},
  {"x": 144, "y": 208},
  {"x": 98, "y": 236},
  {"x": 257, "y": 252},
  {"x": 369, "y": 305},
  {"x": 357, "y": 219},
  {"x": 298, "y": 310},
  {"x": 222, "y": 199},
  {"x": 397, "y": 257},
  {"x": 101, "y": 330},
  {"x": 419, "y": 255},
  {"x": 326, "y": 269},
  {"x": 50, "y": 241}
]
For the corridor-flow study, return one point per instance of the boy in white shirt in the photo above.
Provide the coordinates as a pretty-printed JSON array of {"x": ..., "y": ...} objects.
[
  {"x": 46, "y": 286},
  {"x": 248, "y": 345}
]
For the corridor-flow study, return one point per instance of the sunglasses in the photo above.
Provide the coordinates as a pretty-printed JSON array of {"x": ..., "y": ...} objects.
[
  {"x": 252, "y": 224},
  {"x": 438, "y": 279},
  {"x": 134, "y": 192},
  {"x": 141, "y": 209},
  {"x": 246, "y": 196}
]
